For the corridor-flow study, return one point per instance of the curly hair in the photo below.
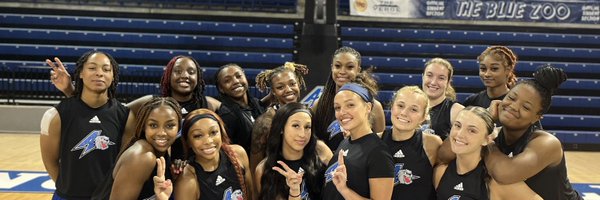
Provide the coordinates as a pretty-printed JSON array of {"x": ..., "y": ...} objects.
[
  {"x": 264, "y": 78},
  {"x": 508, "y": 59},
  {"x": 225, "y": 143},
  {"x": 197, "y": 94},
  {"x": 274, "y": 184},
  {"x": 112, "y": 89}
]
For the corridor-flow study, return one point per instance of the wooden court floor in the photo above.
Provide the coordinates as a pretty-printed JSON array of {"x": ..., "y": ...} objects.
[{"x": 22, "y": 152}]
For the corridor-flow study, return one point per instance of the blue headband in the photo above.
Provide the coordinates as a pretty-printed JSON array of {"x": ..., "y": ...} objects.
[{"x": 358, "y": 89}]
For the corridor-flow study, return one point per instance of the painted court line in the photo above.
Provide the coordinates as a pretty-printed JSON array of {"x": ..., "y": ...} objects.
[{"x": 40, "y": 182}]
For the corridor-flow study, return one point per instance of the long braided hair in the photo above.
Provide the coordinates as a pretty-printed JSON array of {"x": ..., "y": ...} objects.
[
  {"x": 225, "y": 144},
  {"x": 144, "y": 113},
  {"x": 197, "y": 93},
  {"x": 112, "y": 89},
  {"x": 325, "y": 113},
  {"x": 508, "y": 59}
]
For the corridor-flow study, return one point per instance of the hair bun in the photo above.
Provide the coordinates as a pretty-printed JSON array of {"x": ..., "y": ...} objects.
[{"x": 549, "y": 77}]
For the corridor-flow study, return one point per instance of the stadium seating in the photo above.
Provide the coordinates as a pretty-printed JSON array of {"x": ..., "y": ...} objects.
[
  {"x": 144, "y": 38},
  {"x": 145, "y": 53},
  {"x": 285, "y": 6},
  {"x": 418, "y": 63},
  {"x": 472, "y": 50},
  {"x": 475, "y": 82},
  {"x": 489, "y": 37},
  {"x": 398, "y": 54},
  {"x": 146, "y": 25}
]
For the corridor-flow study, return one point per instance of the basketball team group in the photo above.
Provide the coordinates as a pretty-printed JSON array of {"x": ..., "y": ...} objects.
[{"x": 182, "y": 144}]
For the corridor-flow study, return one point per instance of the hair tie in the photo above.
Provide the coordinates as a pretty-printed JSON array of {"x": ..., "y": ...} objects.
[{"x": 290, "y": 65}]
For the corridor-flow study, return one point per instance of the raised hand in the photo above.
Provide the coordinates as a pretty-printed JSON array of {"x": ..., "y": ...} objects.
[
  {"x": 162, "y": 188},
  {"x": 60, "y": 77},
  {"x": 292, "y": 179},
  {"x": 340, "y": 176},
  {"x": 494, "y": 109},
  {"x": 177, "y": 167}
]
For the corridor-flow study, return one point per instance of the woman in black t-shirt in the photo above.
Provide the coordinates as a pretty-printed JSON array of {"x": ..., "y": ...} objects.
[
  {"x": 295, "y": 162},
  {"x": 497, "y": 72},
  {"x": 362, "y": 167}
]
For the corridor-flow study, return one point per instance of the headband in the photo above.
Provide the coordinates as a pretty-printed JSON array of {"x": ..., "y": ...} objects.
[
  {"x": 188, "y": 123},
  {"x": 302, "y": 110},
  {"x": 358, "y": 89}
]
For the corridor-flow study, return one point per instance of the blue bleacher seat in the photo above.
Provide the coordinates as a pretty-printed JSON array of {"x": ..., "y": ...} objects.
[
  {"x": 475, "y": 81},
  {"x": 146, "y": 24},
  {"x": 144, "y": 38},
  {"x": 573, "y": 121},
  {"x": 559, "y": 101},
  {"x": 154, "y": 71},
  {"x": 577, "y": 137},
  {"x": 395, "y": 63},
  {"x": 145, "y": 53},
  {"x": 469, "y": 49},
  {"x": 491, "y": 37},
  {"x": 551, "y": 121}
]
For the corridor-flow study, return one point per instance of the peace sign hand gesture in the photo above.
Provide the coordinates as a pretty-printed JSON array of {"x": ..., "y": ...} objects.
[
  {"x": 162, "y": 188},
  {"x": 293, "y": 179},
  {"x": 60, "y": 77}
]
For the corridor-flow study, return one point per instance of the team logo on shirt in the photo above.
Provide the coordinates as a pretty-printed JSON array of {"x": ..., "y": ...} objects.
[
  {"x": 329, "y": 172},
  {"x": 334, "y": 128},
  {"x": 403, "y": 176},
  {"x": 304, "y": 191},
  {"x": 91, "y": 142},
  {"x": 230, "y": 194},
  {"x": 454, "y": 197}
]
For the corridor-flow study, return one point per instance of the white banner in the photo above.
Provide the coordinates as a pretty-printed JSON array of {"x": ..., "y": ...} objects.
[
  {"x": 385, "y": 8},
  {"x": 561, "y": 11}
]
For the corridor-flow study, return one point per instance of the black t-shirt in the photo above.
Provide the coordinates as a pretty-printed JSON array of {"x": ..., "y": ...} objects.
[
  {"x": 89, "y": 144},
  {"x": 239, "y": 120},
  {"x": 551, "y": 182},
  {"x": 365, "y": 158},
  {"x": 439, "y": 116},
  {"x": 305, "y": 192},
  {"x": 481, "y": 99},
  {"x": 413, "y": 173},
  {"x": 223, "y": 183},
  {"x": 469, "y": 186}
]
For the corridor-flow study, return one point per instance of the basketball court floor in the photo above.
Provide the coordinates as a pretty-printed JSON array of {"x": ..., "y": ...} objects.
[{"x": 23, "y": 177}]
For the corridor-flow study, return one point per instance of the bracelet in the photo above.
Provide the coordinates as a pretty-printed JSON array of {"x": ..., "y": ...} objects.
[{"x": 295, "y": 196}]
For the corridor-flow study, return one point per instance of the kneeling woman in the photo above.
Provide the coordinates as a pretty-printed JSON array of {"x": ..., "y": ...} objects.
[
  {"x": 295, "y": 162},
  {"x": 217, "y": 169}
]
